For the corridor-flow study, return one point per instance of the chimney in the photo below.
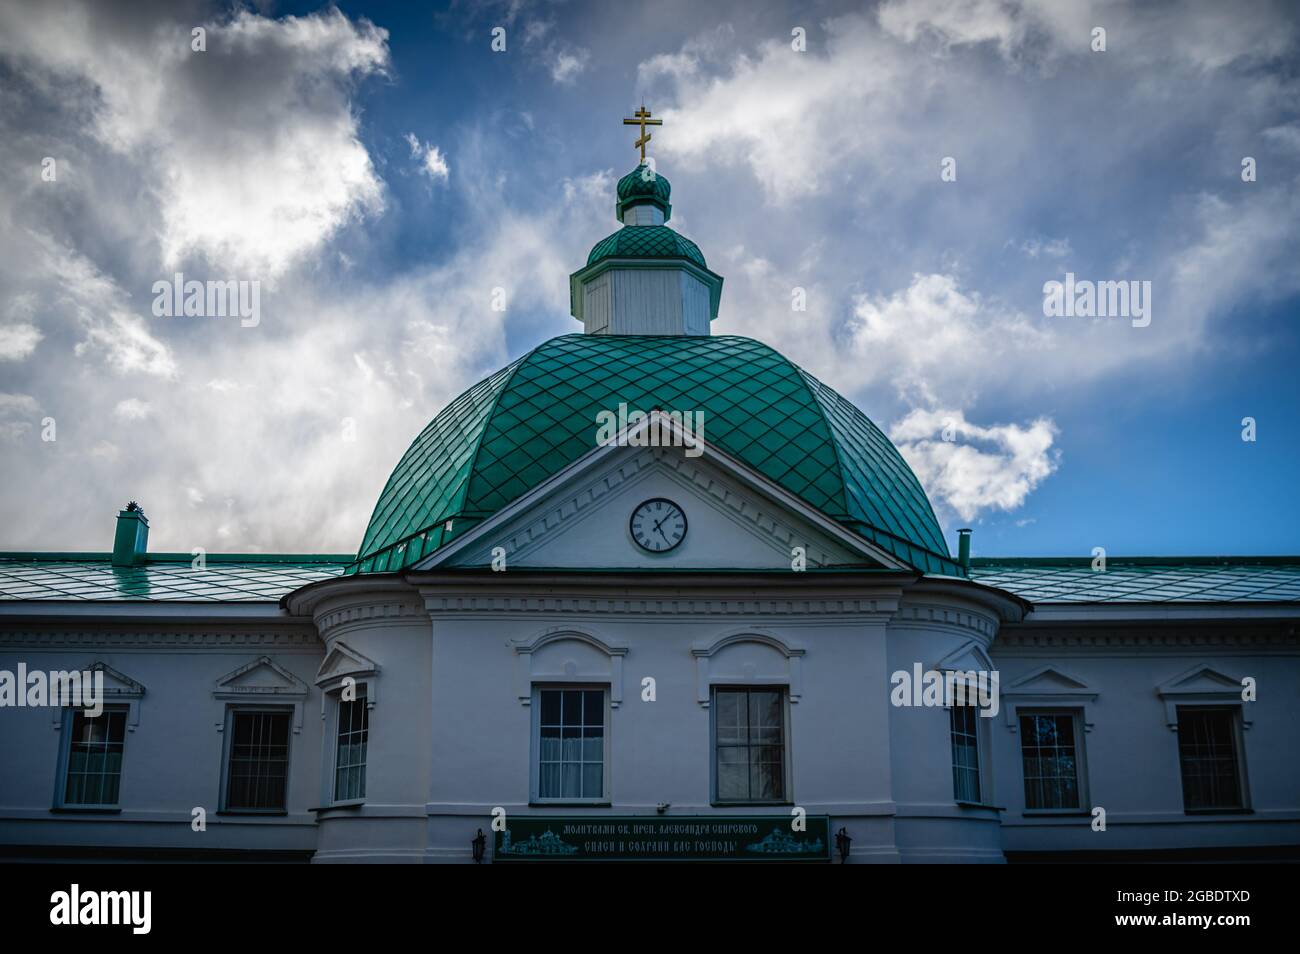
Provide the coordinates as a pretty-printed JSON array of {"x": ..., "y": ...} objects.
[
  {"x": 131, "y": 542},
  {"x": 963, "y": 547}
]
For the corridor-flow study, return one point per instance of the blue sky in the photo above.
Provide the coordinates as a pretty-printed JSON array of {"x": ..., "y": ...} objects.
[{"x": 379, "y": 169}]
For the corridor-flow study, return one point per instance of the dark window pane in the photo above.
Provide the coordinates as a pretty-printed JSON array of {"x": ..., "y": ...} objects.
[
  {"x": 95, "y": 758},
  {"x": 749, "y": 744},
  {"x": 1207, "y": 751},
  {"x": 259, "y": 761},
  {"x": 1048, "y": 757},
  {"x": 550, "y": 707}
]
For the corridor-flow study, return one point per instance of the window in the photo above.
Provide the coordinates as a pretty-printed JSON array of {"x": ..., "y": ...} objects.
[
  {"x": 350, "y": 758},
  {"x": 749, "y": 745},
  {"x": 1207, "y": 749},
  {"x": 1051, "y": 764},
  {"x": 965, "y": 753},
  {"x": 571, "y": 740},
  {"x": 94, "y": 765},
  {"x": 259, "y": 760}
]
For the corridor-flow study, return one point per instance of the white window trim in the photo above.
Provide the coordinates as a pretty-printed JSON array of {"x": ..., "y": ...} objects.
[
  {"x": 708, "y": 677},
  {"x": 528, "y": 672},
  {"x": 535, "y": 747},
  {"x": 228, "y": 735},
  {"x": 125, "y": 695},
  {"x": 983, "y": 745},
  {"x": 292, "y": 694},
  {"x": 1226, "y": 692},
  {"x": 331, "y": 742},
  {"x": 1237, "y": 712},
  {"x": 66, "y": 715}
]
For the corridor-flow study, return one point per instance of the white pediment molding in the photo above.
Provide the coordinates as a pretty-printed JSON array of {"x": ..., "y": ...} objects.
[
  {"x": 341, "y": 664},
  {"x": 971, "y": 656},
  {"x": 542, "y": 658},
  {"x": 1047, "y": 686},
  {"x": 262, "y": 680},
  {"x": 1203, "y": 684},
  {"x": 570, "y": 494},
  {"x": 709, "y": 670},
  {"x": 118, "y": 688}
]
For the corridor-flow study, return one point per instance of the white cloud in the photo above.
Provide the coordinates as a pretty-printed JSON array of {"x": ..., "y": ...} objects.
[
  {"x": 432, "y": 161},
  {"x": 932, "y": 341},
  {"x": 17, "y": 415},
  {"x": 981, "y": 468},
  {"x": 132, "y": 409},
  {"x": 18, "y": 340},
  {"x": 250, "y": 147},
  {"x": 105, "y": 451},
  {"x": 568, "y": 64}
]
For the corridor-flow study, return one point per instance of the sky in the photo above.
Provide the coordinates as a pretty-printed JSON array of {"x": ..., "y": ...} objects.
[{"x": 919, "y": 170}]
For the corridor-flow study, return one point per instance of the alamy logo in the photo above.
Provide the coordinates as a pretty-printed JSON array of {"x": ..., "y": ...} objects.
[
  {"x": 84, "y": 690},
  {"x": 211, "y": 299},
  {"x": 662, "y": 429},
  {"x": 103, "y": 907},
  {"x": 1085, "y": 299},
  {"x": 974, "y": 687}
]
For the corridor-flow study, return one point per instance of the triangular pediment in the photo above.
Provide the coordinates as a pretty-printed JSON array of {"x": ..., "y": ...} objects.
[
  {"x": 116, "y": 684},
  {"x": 967, "y": 658},
  {"x": 1047, "y": 680},
  {"x": 735, "y": 518},
  {"x": 260, "y": 677},
  {"x": 1200, "y": 680},
  {"x": 728, "y": 523},
  {"x": 343, "y": 660}
]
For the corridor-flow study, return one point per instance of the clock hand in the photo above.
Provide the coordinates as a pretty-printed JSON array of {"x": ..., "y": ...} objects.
[{"x": 661, "y": 533}]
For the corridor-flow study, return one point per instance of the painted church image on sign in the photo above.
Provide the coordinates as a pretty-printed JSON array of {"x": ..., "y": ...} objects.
[{"x": 648, "y": 593}]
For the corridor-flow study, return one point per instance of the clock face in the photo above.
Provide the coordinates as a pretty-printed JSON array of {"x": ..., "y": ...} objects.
[{"x": 658, "y": 525}]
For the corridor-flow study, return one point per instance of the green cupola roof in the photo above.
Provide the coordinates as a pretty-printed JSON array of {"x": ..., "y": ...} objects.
[
  {"x": 643, "y": 186},
  {"x": 530, "y": 420},
  {"x": 646, "y": 241}
]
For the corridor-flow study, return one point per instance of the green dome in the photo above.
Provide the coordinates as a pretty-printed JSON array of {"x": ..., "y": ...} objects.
[
  {"x": 517, "y": 428},
  {"x": 643, "y": 186},
  {"x": 646, "y": 241}
]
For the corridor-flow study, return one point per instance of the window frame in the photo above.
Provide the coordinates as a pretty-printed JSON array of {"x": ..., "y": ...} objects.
[
  {"x": 982, "y": 775},
  {"x": 228, "y": 732},
  {"x": 787, "y": 780},
  {"x": 535, "y": 747},
  {"x": 1075, "y": 713},
  {"x": 68, "y": 723},
  {"x": 362, "y": 699},
  {"x": 1237, "y": 734}
]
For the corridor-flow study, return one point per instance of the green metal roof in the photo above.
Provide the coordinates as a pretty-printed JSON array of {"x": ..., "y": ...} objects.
[
  {"x": 245, "y": 578},
  {"x": 227, "y": 578},
  {"x": 530, "y": 420},
  {"x": 641, "y": 188},
  {"x": 646, "y": 241},
  {"x": 1145, "y": 579}
]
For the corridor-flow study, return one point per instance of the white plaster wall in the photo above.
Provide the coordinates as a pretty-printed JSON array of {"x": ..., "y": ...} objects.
[{"x": 172, "y": 762}]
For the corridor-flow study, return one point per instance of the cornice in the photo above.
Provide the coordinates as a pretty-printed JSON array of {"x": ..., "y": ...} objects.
[
  {"x": 932, "y": 616},
  {"x": 1244, "y": 637},
  {"x": 297, "y": 638},
  {"x": 335, "y": 620}
]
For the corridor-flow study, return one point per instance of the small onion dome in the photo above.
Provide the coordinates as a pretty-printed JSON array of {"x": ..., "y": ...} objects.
[
  {"x": 643, "y": 186},
  {"x": 646, "y": 241}
]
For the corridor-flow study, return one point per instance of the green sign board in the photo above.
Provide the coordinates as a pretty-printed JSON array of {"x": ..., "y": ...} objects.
[{"x": 663, "y": 838}]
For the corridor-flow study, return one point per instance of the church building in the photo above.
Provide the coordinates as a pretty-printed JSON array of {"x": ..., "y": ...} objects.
[{"x": 647, "y": 593}]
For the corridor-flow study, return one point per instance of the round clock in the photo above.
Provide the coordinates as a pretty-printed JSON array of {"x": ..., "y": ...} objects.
[{"x": 658, "y": 525}]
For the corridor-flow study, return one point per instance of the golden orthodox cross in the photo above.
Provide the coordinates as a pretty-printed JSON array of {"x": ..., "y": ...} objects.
[{"x": 643, "y": 120}]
